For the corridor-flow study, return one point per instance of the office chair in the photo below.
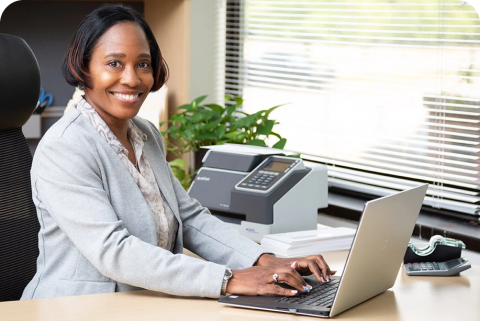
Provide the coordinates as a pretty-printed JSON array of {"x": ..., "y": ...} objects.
[{"x": 19, "y": 92}]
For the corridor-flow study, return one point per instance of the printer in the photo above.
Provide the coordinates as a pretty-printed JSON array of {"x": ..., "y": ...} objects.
[{"x": 260, "y": 191}]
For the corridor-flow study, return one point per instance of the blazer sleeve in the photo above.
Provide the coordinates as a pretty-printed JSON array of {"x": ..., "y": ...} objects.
[
  {"x": 208, "y": 236},
  {"x": 68, "y": 184}
]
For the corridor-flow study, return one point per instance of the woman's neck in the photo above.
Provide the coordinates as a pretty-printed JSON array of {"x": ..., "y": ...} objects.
[{"x": 119, "y": 127}]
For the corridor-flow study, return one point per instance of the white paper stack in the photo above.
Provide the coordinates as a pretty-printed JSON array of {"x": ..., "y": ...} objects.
[{"x": 304, "y": 243}]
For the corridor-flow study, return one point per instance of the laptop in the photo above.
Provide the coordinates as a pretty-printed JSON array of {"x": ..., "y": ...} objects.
[{"x": 372, "y": 265}]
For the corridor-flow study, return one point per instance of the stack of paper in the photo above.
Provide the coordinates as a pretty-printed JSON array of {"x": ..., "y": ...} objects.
[{"x": 304, "y": 243}]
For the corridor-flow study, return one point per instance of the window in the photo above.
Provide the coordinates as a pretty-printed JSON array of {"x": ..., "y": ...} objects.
[{"x": 386, "y": 93}]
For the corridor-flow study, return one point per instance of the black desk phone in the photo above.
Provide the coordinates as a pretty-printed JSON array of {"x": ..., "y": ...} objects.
[{"x": 441, "y": 257}]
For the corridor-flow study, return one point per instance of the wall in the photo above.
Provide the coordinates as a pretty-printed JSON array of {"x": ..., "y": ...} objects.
[
  {"x": 170, "y": 22},
  {"x": 207, "y": 46}
]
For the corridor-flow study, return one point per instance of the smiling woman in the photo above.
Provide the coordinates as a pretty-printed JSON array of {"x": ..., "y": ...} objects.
[
  {"x": 113, "y": 217},
  {"x": 120, "y": 77},
  {"x": 114, "y": 57}
]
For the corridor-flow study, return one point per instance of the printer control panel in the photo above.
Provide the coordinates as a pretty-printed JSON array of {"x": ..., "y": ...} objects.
[{"x": 269, "y": 174}]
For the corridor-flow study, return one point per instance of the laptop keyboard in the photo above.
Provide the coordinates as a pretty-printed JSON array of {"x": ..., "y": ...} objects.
[{"x": 322, "y": 294}]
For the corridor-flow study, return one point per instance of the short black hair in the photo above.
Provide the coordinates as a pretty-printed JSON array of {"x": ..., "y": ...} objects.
[{"x": 79, "y": 51}]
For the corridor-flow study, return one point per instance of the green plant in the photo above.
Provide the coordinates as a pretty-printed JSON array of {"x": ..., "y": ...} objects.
[
  {"x": 178, "y": 169},
  {"x": 211, "y": 124}
]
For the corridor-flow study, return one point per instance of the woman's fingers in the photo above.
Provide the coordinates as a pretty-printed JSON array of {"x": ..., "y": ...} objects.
[
  {"x": 316, "y": 265},
  {"x": 324, "y": 267},
  {"x": 277, "y": 289},
  {"x": 260, "y": 280},
  {"x": 292, "y": 278}
]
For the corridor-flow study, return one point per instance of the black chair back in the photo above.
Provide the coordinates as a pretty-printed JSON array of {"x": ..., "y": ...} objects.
[{"x": 19, "y": 92}]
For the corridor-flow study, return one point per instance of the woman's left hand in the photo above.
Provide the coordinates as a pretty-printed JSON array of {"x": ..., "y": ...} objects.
[{"x": 313, "y": 264}]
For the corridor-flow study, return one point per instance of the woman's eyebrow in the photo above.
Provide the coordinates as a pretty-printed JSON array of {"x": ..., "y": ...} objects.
[
  {"x": 121, "y": 55},
  {"x": 115, "y": 55}
]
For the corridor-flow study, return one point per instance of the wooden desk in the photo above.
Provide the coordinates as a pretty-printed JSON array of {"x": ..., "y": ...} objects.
[{"x": 411, "y": 298}]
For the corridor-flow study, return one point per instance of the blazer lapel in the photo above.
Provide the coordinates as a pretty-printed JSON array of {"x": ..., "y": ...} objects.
[{"x": 160, "y": 170}]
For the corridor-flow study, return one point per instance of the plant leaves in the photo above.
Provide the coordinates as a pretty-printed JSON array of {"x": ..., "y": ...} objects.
[
  {"x": 216, "y": 115},
  {"x": 265, "y": 128},
  {"x": 178, "y": 162},
  {"x": 178, "y": 118},
  {"x": 228, "y": 98},
  {"x": 276, "y": 135},
  {"x": 268, "y": 111},
  {"x": 247, "y": 121},
  {"x": 187, "y": 107},
  {"x": 206, "y": 114},
  {"x": 199, "y": 125},
  {"x": 207, "y": 136},
  {"x": 212, "y": 125},
  {"x": 280, "y": 144},
  {"x": 230, "y": 109},
  {"x": 257, "y": 142},
  {"x": 238, "y": 100},
  {"x": 187, "y": 134},
  {"x": 233, "y": 134},
  {"x": 216, "y": 107},
  {"x": 173, "y": 129},
  {"x": 195, "y": 118},
  {"x": 180, "y": 174},
  {"x": 220, "y": 131},
  {"x": 198, "y": 100}
]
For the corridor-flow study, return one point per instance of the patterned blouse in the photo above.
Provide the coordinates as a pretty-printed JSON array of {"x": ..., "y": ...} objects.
[{"x": 166, "y": 224}]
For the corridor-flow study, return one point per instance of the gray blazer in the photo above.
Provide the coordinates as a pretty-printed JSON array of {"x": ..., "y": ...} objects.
[{"x": 97, "y": 234}]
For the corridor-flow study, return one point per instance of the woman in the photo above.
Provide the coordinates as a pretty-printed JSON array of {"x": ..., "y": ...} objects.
[{"x": 113, "y": 217}]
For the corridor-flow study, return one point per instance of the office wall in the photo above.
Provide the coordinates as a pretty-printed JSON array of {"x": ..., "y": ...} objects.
[
  {"x": 207, "y": 49},
  {"x": 170, "y": 22}
]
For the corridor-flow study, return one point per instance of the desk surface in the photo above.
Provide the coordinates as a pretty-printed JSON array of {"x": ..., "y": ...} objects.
[{"x": 411, "y": 298}]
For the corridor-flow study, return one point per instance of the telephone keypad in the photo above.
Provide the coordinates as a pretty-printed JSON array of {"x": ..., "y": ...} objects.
[
  {"x": 262, "y": 179},
  {"x": 451, "y": 267}
]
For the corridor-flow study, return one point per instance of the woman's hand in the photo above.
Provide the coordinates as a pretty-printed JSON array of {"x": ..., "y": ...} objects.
[
  {"x": 260, "y": 280},
  {"x": 313, "y": 264}
]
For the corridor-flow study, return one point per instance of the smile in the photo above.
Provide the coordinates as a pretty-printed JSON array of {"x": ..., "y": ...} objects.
[{"x": 126, "y": 98}]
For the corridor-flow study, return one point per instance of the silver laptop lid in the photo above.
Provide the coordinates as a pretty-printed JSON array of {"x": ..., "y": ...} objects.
[{"x": 378, "y": 248}]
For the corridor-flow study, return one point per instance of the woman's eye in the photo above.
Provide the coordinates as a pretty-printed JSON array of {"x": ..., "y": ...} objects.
[
  {"x": 114, "y": 64},
  {"x": 144, "y": 64}
]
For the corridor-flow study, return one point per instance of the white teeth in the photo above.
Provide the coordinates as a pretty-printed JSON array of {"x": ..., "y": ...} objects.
[{"x": 126, "y": 97}]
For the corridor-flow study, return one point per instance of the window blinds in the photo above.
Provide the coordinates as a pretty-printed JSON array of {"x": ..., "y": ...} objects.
[{"x": 386, "y": 93}]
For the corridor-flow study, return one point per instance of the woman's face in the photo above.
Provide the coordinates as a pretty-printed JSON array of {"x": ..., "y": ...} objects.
[{"x": 120, "y": 72}]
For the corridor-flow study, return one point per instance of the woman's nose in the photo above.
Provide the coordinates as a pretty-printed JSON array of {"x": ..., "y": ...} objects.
[{"x": 130, "y": 77}]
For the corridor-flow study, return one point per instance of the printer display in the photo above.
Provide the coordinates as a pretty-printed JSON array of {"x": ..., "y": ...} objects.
[{"x": 259, "y": 190}]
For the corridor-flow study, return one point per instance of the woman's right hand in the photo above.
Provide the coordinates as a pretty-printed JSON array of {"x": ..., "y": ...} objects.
[{"x": 259, "y": 280}]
